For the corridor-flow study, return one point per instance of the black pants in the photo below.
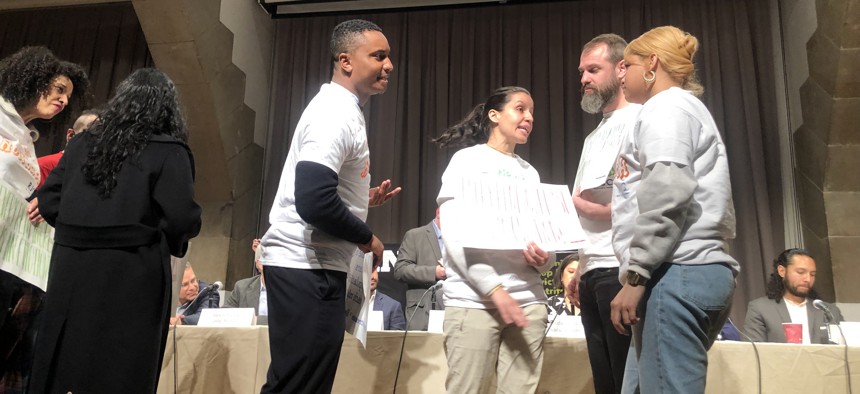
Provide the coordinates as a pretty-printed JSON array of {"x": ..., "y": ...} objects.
[
  {"x": 306, "y": 323},
  {"x": 607, "y": 349}
]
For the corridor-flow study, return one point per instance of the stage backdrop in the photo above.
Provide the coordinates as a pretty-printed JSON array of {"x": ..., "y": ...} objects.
[{"x": 447, "y": 60}]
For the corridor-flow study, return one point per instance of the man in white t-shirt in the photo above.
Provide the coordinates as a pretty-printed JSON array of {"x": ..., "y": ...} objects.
[
  {"x": 317, "y": 219},
  {"x": 596, "y": 282},
  {"x": 790, "y": 294}
]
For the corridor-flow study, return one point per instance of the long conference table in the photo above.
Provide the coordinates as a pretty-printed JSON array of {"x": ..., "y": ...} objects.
[{"x": 234, "y": 360}]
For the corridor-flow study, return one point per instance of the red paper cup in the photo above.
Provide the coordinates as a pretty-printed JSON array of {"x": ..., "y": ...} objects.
[{"x": 793, "y": 332}]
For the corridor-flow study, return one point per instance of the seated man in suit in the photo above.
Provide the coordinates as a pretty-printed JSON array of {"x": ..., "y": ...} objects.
[
  {"x": 419, "y": 266},
  {"x": 251, "y": 292},
  {"x": 392, "y": 313},
  {"x": 188, "y": 311},
  {"x": 789, "y": 299}
]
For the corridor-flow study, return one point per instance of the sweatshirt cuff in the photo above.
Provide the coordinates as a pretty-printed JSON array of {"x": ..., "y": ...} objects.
[
  {"x": 644, "y": 272},
  {"x": 487, "y": 284}
]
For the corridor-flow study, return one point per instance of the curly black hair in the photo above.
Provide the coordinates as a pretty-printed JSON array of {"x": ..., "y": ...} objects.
[
  {"x": 145, "y": 103},
  {"x": 475, "y": 127},
  {"x": 26, "y": 77},
  {"x": 776, "y": 284}
]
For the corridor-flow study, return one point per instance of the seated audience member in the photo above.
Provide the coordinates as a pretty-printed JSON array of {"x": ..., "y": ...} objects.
[
  {"x": 419, "y": 266},
  {"x": 48, "y": 162},
  {"x": 251, "y": 292},
  {"x": 188, "y": 311},
  {"x": 392, "y": 313},
  {"x": 562, "y": 303},
  {"x": 789, "y": 299}
]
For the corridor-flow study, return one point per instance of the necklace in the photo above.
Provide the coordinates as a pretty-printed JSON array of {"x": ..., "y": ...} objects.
[{"x": 501, "y": 151}]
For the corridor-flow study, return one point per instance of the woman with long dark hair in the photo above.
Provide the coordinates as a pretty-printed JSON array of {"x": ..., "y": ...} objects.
[
  {"x": 495, "y": 305},
  {"x": 121, "y": 201}
]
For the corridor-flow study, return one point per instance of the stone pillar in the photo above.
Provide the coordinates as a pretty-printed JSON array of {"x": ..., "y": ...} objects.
[
  {"x": 827, "y": 150},
  {"x": 188, "y": 41}
]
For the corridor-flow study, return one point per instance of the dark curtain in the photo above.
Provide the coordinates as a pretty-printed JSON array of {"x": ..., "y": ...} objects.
[
  {"x": 106, "y": 40},
  {"x": 448, "y": 60}
]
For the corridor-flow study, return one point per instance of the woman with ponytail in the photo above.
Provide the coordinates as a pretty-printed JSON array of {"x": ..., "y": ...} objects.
[
  {"x": 122, "y": 202},
  {"x": 672, "y": 217},
  {"x": 495, "y": 305}
]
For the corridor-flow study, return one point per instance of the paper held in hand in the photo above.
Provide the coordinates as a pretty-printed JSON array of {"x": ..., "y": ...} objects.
[
  {"x": 357, "y": 308},
  {"x": 502, "y": 215},
  {"x": 25, "y": 249}
]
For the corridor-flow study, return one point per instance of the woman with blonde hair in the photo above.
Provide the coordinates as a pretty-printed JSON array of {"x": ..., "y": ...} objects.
[{"x": 672, "y": 216}]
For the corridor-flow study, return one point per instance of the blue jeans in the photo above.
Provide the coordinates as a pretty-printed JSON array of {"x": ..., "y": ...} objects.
[{"x": 682, "y": 311}]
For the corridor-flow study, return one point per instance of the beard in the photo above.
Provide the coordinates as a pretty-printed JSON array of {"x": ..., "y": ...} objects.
[
  {"x": 595, "y": 101},
  {"x": 794, "y": 290}
]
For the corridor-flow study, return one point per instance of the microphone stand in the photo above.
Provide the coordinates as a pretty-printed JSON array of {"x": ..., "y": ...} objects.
[{"x": 827, "y": 321}]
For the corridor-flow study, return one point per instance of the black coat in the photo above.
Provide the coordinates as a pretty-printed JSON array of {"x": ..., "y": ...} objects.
[{"x": 105, "y": 320}]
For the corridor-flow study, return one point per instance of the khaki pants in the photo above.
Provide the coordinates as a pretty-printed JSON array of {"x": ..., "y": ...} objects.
[{"x": 478, "y": 343}]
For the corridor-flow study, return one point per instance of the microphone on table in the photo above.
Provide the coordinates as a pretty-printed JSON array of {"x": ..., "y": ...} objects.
[
  {"x": 828, "y": 318},
  {"x": 821, "y": 306}
]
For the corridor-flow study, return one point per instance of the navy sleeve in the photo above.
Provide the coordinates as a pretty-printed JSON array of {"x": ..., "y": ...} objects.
[{"x": 318, "y": 204}]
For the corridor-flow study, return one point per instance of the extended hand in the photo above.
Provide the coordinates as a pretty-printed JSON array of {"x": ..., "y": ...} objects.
[
  {"x": 380, "y": 195},
  {"x": 440, "y": 272},
  {"x": 535, "y": 256},
  {"x": 509, "y": 309},
  {"x": 176, "y": 320},
  {"x": 624, "y": 306},
  {"x": 376, "y": 247},
  {"x": 33, "y": 212}
]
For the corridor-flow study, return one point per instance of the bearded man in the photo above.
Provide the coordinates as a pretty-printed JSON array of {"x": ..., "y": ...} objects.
[
  {"x": 789, "y": 299},
  {"x": 596, "y": 283}
]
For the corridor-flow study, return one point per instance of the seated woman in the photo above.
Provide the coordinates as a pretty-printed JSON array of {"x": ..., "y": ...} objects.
[{"x": 563, "y": 303}]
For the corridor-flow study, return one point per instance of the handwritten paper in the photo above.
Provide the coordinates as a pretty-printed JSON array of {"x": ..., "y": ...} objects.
[
  {"x": 25, "y": 249},
  {"x": 358, "y": 295},
  {"x": 502, "y": 215}
]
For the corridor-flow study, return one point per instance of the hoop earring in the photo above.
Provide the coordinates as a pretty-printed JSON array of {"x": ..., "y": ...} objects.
[{"x": 649, "y": 80}]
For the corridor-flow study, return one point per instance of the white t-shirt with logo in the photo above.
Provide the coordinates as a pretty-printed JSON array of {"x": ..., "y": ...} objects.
[
  {"x": 597, "y": 163},
  {"x": 19, "y": 168},
  {"x": 330, "y": 132}
]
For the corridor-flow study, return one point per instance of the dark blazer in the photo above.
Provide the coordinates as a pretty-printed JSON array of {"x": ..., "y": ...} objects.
[
  {"x": 392, "y": 313},
  {"x": 416, "y": 266},
  {"x": 765, "y": 317},
  {"x": 245, "y": 294}
]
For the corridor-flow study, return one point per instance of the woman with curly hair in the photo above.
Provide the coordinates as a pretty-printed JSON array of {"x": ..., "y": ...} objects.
[
  {"x": 34, "y": 84},
  {"x": 122, "y": 202}
]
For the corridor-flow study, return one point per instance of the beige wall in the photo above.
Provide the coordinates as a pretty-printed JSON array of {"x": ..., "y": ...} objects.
[
  {"x": 822, "y": 48},
  {"x": 223, "y": 79}
]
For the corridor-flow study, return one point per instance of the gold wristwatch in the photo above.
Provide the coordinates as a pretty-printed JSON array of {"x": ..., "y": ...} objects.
[{"x": 635, "y": 279}]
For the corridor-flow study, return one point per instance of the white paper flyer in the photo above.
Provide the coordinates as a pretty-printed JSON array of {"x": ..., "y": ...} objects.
[
  {"x": 358, "y": 295},
  {"x": 25, "y": 249}
]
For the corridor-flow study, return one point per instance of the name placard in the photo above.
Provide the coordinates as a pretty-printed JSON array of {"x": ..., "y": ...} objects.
[
  {"x": 226, "y": 317},
  {"x": 434, "y": 324},
  {"x": 567, "y": 326}
]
